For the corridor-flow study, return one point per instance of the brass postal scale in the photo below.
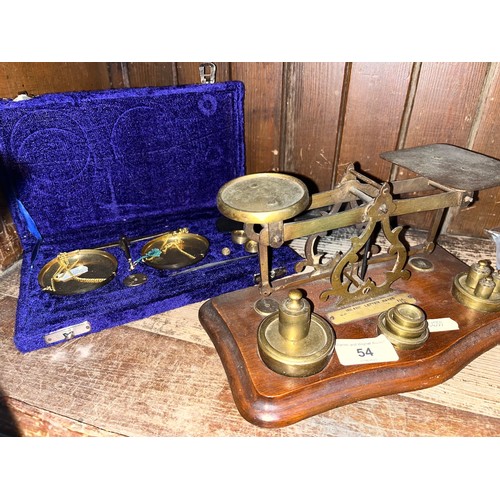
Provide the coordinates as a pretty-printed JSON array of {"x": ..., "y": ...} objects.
[{"x": 362, "y": 323}]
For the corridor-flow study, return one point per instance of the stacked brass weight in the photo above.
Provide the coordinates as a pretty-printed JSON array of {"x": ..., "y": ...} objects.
[
  {"x": 478, "y": 288},
  {"x": 293, "y": 341},
  {"x": 404, "y": 325}
]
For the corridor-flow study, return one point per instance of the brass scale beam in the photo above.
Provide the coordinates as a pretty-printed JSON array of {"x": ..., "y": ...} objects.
[{"x": 378, "y": 206}]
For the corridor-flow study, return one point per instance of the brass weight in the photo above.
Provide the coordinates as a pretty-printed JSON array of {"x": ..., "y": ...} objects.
[
  {"x": 239, "y": 237},
  {"x": 404, "y": 325},
  {"x": 294, "y": 341},
  {"x": 478, "y": 288}
]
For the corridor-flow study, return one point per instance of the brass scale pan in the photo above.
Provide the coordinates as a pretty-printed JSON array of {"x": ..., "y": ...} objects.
[{"x": 82, "y": 271}]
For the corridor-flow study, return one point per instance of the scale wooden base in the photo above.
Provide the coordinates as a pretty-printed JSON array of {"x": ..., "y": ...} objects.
[{"x": 268, "y": 399}]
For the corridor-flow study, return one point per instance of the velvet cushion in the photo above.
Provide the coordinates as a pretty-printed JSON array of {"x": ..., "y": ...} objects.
[{"x": 81, "y": 169}]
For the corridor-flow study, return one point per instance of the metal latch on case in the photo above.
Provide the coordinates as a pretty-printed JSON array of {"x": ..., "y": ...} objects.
[
  {"x": 207, "y": 72},
  {"x": 68, "y": 332}
]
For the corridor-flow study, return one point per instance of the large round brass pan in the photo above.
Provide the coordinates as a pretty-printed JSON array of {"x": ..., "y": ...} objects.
[
  {"x": 263, "y": 198},
  {"x": 178, "y": 249},
  {"x": 77, "y": 272}
]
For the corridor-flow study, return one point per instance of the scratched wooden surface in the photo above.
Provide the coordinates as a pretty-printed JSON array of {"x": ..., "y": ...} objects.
[{"x": 161, "y": 376}]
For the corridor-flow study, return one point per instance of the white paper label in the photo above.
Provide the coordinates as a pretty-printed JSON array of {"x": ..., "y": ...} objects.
[
  {"x": 441, "y": 325},
  {"x": 365, "y": 351},
  {"x": 76, "y": 271}
]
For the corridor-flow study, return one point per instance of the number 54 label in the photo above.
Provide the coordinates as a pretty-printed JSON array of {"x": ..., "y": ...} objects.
[{"x": 364, "y": 351}]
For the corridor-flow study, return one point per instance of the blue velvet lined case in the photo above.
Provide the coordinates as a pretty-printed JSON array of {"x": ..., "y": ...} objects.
[{"x": 81, "y": 169}]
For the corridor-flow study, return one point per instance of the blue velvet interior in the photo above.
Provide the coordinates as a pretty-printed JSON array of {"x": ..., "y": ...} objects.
[{"x": 89, "y": 167}]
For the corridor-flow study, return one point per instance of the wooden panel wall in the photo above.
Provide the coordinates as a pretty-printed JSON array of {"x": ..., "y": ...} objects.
[
  {"x": 444, "y": 110},
  {"x": 375, "y": 105},
  {"x": 313, "y": 98},
  {"x": 312, "y": 119},
  {"x": 484, "y": 137}
]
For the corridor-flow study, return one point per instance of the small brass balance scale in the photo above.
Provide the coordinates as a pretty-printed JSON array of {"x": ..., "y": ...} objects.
[{"x": 278, "y": 341}]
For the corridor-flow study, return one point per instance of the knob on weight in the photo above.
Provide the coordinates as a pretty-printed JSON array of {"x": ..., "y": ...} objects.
[{"x": 294, "y": 341}]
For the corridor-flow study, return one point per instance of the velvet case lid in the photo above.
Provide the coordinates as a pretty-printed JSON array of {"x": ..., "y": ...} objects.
[
  {"x": 81, "y": 169},
  {"x": 79, "y": 159}
]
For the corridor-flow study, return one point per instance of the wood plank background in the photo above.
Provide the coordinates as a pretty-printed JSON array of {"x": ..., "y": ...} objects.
[{"x": 311, "y": 119}]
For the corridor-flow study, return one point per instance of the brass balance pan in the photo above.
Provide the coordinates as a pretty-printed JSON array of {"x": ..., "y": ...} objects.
[
  {"x": 76, "y": 272},
  {"x": 263, "y": 198},
  {"x": 178, "y": 249}
]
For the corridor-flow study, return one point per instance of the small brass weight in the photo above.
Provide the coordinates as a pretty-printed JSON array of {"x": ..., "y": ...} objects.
[
  {"x": 405, "y": 326},
  {"x": 294, "y": 341}
]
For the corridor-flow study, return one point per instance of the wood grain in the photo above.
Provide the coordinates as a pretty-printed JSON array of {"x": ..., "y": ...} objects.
[
  {"x": 311, "y": 121},
  {"x": 377, "y": 95},
  {"x": 184, "y": 327},
  {"x": 445, "y": 103},
  {"x": 10, "y": 280},
  {"x": 444, "y": 108},
  {"x": 268, "y": 399},
  {"x": 133, "y": 383},
  {"x": 19, "y": 419},
  {"x": 10, "y": 244},
  {"x": 461, "y": 393},
  {"x": 263, "y": 109},
  {"x": 484, "y": 213},
  {"x": 150, "y": 74},
  {"x": 45, "y": 77},
  {"x": 8, "y": 314},
  {"x": 118, "y": 77},
  {"x": 292, "y": 116}
]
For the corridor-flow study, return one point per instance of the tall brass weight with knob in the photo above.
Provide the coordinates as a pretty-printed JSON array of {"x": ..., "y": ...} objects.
[{"x": 294, "y": 341}]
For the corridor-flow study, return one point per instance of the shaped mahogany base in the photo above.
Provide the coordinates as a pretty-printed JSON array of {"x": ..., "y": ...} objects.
[{"x": 268, "y": 399}]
